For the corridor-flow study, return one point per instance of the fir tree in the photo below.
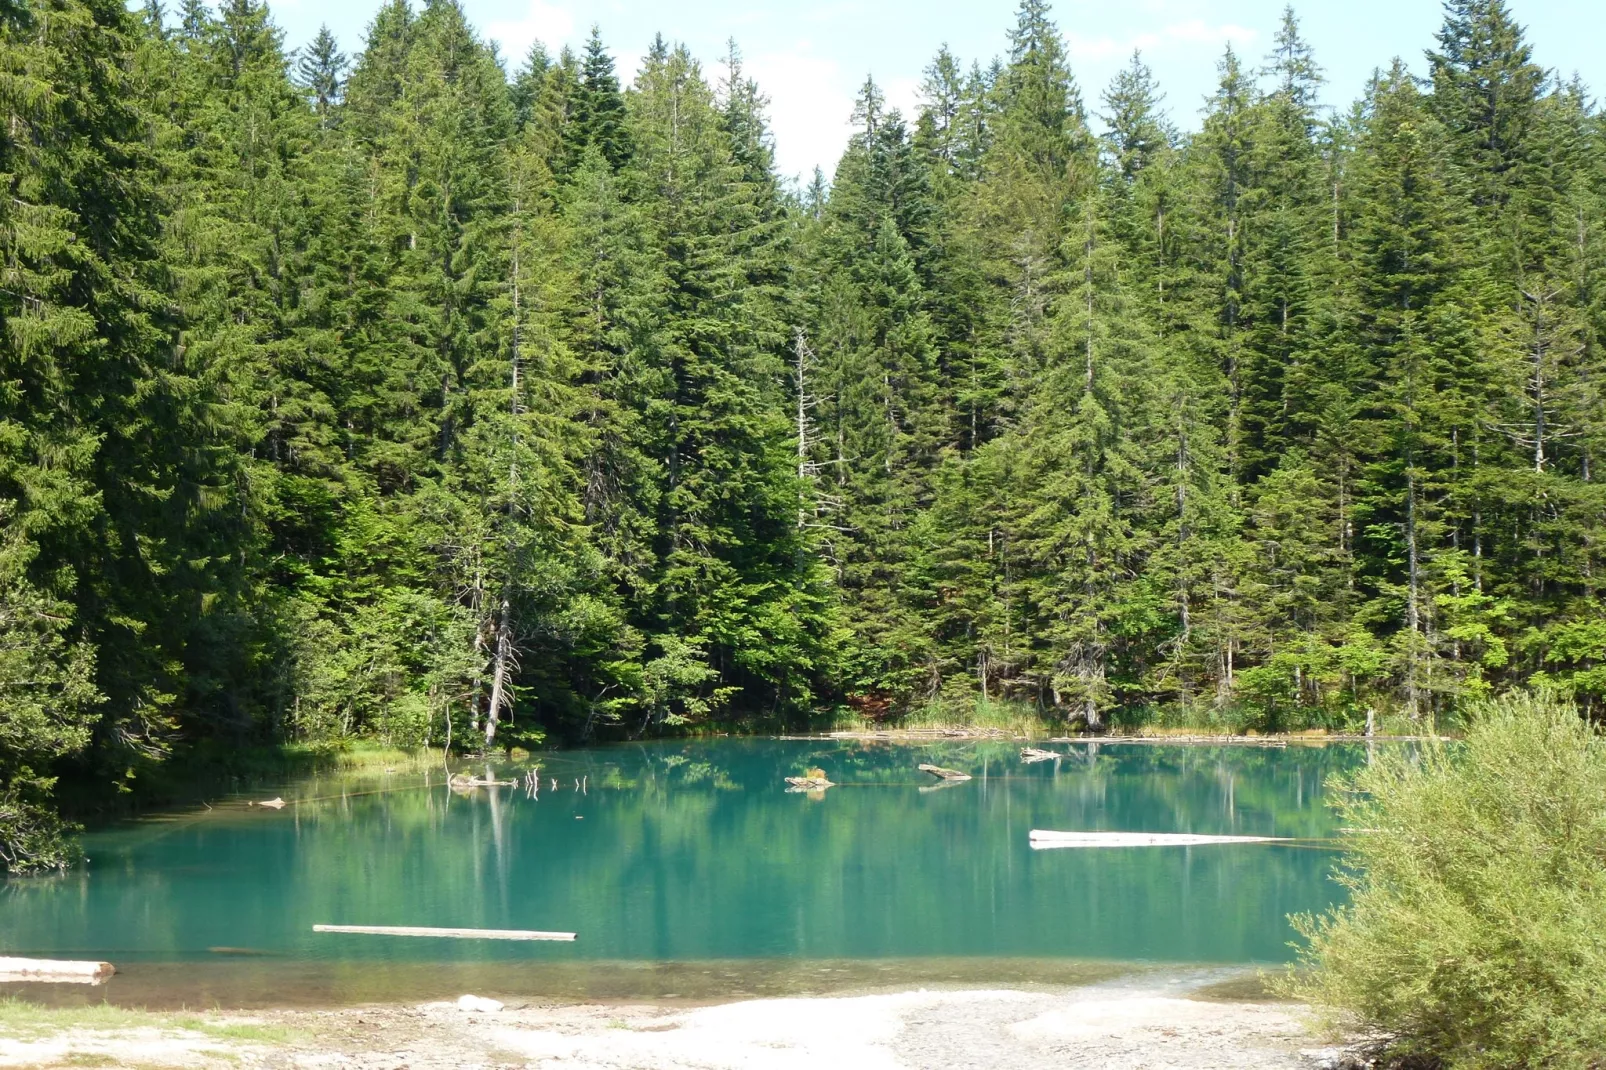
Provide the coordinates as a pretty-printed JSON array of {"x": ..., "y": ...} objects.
[{"x": 322, "y": 72}]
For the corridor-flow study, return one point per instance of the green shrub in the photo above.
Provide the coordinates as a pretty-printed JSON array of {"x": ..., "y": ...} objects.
[{"x": 1476, "y": 931}]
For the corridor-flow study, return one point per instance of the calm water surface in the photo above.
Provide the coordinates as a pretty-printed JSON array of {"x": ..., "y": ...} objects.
[{"x": 688, "y": 870}]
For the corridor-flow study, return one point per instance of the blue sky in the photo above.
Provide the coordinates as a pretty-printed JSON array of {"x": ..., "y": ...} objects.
[{"x": 810, "y": 58}]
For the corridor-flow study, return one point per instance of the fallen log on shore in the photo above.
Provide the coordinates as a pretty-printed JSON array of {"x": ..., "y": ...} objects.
[
  {"x": 944, "y": 774},
  {"x": 1045, "y": 839},
  {"x": 1222, "y": 741},
  {"x": 16, "y": 969},
  {"x": 456, "y": 934}
]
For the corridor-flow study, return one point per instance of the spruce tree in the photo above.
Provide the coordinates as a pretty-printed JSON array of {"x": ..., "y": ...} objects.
[
  {"x": 322, "y": 72},
  {"x": 596, "y": 116}
]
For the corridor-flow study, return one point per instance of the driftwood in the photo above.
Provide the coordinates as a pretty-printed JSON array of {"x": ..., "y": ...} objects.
[
  {"x": 919, "y": 733},
  {"x": 1219, "y": 741},
  {"x": 271, "y": 804},
  {"x": 944, "y": 774},
  {"x": 1044, "y": 839},
  {"x": 808, "y": 783},
  {"x": 458, "y": 934},
  {"x": 460, "y": 780},
  {"x": 58, "y": 970},
  {"x": 1033, "y": 754}
]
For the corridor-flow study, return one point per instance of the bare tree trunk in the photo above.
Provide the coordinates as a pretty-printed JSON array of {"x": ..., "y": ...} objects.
[
  {"x": 503, "y": 662},
  {"x": 805, "y": 468},
  {"x": 476, "y": 600},
  {"x": 503, "y": 657},
  {"x": 1413, "y": 599}
]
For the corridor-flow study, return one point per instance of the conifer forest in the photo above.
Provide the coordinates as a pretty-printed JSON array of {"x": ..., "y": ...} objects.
[{"x": 445, "y": 397}]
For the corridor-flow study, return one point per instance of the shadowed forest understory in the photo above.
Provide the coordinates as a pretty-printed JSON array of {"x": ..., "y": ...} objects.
[{"x": 435, "y": 396}]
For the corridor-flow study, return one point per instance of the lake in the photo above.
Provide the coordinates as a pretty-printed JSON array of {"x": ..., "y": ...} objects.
[{"x": 688, "y": 871}]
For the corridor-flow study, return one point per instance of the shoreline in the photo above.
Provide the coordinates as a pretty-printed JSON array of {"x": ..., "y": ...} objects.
[
  {"x": 1189, "y": 738},
  {"x": 247, "y": 980},
  {"x": 1179, "y": 1019}
]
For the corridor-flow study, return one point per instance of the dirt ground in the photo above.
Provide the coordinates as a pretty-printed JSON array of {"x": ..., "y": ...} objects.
[{"x": 1143, "y": 1023}]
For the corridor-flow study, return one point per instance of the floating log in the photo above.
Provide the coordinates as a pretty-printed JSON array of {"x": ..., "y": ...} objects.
[
  {"x": 944, "y": 774},
  {"x": 1033, "y": 754},
  {"x": 458, "y": 780},
  {"x": 271, "y": 804},
  {"x": 808, "y": 783},
  {"x": 12, "y": 969},
  {"x": 457, "y": 934},
  {"x": 1044, "y": 839}
]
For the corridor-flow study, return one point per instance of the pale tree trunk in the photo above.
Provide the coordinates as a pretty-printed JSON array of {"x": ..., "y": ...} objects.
[
  {"x": 806, "y": 469},
  {"x": 476, "y": 600},
  {"x": 503, "y": 657},
  {"x": 502, "y": 665},
  {"x": 1413, "y": 601}
]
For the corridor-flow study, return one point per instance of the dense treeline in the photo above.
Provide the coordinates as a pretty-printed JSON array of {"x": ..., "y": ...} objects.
[{"x": 420, "y": 397}]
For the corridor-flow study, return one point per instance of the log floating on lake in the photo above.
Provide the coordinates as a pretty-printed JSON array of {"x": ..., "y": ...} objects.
[
  {"x": 456, "y": 934},
  {"x": 1035, "y": 754},
  {"x": 808, "y": 783},
  {"x": 944, "y": 774},
  {"x": 1044, "y": 839},
  {"x": 459, "y": 780},
  {"x": 14, "y": 969}
]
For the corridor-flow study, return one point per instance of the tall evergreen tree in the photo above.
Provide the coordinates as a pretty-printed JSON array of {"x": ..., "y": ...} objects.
[{"x": 322, "y": 72}]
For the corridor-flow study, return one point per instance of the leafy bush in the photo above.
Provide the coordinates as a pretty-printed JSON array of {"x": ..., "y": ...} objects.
[{"x": 1476, "y": 932}]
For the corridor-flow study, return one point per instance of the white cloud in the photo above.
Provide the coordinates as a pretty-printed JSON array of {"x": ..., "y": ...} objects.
[
  {"x": 1104, "y": 49},
  {"x": 1197, "y": 31},
  {"x": 1099, "y": 50},
  {"x": 550, "y": 24},
  {"x": 904, "y": 95},
  {"x": 810, "y": 107}
]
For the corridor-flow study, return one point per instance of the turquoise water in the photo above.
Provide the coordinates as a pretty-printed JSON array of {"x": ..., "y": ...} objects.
[{"x": 687, "y": 866}]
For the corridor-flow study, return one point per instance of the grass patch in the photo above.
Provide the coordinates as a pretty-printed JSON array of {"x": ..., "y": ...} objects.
[
  {"x": 1476, "y": 931},
  {"x": 964, "y": 710},
  {"x": 209, "y": 769},
  {"x": 251, "y": 1032},
  {"x": 970, "y": 713},
  {"x": 1248, "y": 719},
  {"x": 22, "y": 1020}
]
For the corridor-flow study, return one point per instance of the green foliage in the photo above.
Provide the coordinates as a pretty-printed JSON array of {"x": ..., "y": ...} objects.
[
  {"x": 48, "y": 703},
  {"x": 396, "y": 397},
  {"x": 1476, "y": 932}
]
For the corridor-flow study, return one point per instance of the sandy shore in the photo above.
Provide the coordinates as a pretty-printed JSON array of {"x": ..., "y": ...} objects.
[{"x": 1140, "y": 1023}]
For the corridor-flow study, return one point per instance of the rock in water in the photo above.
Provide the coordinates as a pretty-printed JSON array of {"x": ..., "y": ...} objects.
[{"x": 478, "y": 1004}]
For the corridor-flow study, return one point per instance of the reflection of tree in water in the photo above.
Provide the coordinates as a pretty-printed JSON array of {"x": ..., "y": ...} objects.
[{"x": 693, "y": 849}]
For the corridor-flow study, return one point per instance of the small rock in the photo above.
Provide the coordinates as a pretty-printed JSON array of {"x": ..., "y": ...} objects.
[
  {"x": 1323, "y": 1058},
  {"x": 478, "y": 1004}
]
